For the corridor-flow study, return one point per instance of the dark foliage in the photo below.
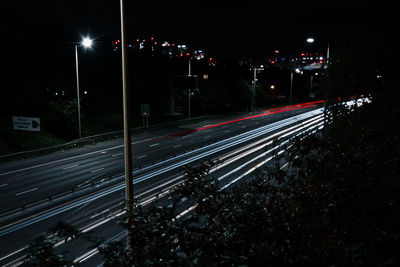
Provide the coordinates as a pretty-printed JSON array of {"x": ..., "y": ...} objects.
[{"x": 338, "y": 204}]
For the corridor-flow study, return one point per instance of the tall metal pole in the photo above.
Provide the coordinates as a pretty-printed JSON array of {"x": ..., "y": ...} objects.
[
  {"x": 77, "y": 90},
  {"x": 127, "y": 128},
  {"x": 291, "y": 87},
  {"x": 189, "y": 93},
  {"x": 253, "y": 96},
  {"x": 327, "y": 55}
]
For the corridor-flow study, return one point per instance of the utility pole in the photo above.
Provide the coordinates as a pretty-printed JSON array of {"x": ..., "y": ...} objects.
[
  {"x": 253, "y": 95},
  {"x": 127, "y": 128},
  {"x": 189, "y": 93},
  {"x": 77, "y": 91},
  {"x": 327, "y": 54},
  {"x": 291, "y": 86}
]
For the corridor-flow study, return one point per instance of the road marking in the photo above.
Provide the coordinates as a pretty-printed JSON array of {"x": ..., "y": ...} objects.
[
  {"x": 284, "y": 165},
  {"x": 97, "y": 170},
  {"x": 13, "y": 253},
  {"x": 74, "y": 157},
  {"x": 103, "y": 152},
  {"x": 70, "y": 167},
  {"x": 156, "y": 144},
  {"x": 97, "y": 214},
  {"x": 119, "y": 154},
  {"x": 143, "y": 156},
  {"x": 177, "y": 146},
  {"x": 3, "y": 185},
  {"x": 27, "y": 191}
]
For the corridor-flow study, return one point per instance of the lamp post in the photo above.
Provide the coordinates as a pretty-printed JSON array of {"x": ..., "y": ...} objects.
[
  {"x": 86, "y": 42},
  {"x": 127, "y": 128},
  {"x": 189, "y": 92},
  {"x": 253, "y": 95}
]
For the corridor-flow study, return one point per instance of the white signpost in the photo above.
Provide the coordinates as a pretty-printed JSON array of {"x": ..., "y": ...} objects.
[{"x": 26, "y": 124}]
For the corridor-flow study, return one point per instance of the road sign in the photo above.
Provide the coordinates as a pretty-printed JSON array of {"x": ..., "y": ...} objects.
[
  {"x": 145, "y": 109},
  {"x": 26, "y": 124}
]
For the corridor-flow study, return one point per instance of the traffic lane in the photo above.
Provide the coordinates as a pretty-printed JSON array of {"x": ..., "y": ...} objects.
[
  {"x": 29, "y": 190},
  {"x": 155, "y": 139},
  {"x": 102, "y": 212},
  {"x": 35, "y": 182},
  {"x": 117, "y": 143},
  {"x": 32, "y": 189}
]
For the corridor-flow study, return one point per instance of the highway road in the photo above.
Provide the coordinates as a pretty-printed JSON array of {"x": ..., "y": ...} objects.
[{"x": 84, "y": 186}]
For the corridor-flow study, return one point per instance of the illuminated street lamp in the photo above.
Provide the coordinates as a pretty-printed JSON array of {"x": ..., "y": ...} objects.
[
  {"x": 310, "y": 40},
  {"x": 87, "y": 43}
]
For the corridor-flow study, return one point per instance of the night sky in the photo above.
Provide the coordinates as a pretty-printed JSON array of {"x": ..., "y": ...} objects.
[{"x": 223, "y": 28}]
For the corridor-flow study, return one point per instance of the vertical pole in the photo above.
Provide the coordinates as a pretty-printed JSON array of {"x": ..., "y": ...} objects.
[
  {"x": 77, "y": 90},
  {"x": 253, "y": 97},
  {"x": 171, "y": 96},
  {"x": 127, "y": 128},
  {"x": 291, "y": 87},
  {"x": 190, "y": 74},
  {"x": 189, "y": 93},
  {"x": 311, "y": 85},
  {"x": 327, "y": 55}
]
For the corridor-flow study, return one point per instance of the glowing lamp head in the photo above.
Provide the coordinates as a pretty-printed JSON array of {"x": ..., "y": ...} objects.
[
  {"x": 310, "y": 40},
  {"x": 87, "y": 42}
]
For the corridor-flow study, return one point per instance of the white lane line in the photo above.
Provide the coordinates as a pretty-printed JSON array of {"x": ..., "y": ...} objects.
[
  {"x": 287, "y": 163},
  {"x": 27, "y": 191},
  {"x": 118, "y": 154},
  {"x": 13, "y": 253},
  {"x": 3, "y": 185},
  {"x": 70, "y": 167},
  {"x": 97, "y": 170},
  {"x": 142, "y": 156},
  {"x": 177, "y": 146},
  {"x": 98, "y": 214},
  {"x": 156, "y": 144}
]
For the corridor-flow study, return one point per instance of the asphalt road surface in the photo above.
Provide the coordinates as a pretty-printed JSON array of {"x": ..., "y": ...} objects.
[{"x": 85, "y": 186}]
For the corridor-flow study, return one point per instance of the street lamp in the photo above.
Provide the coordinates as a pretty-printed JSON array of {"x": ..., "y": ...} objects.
[
  {"x": 253, "y": 95},
  {"x": 310, "y": 40},
  {"x": 87, "y": 43}
]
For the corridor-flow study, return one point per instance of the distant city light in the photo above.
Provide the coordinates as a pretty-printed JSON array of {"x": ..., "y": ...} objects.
[{"x": 310, "y": 40}]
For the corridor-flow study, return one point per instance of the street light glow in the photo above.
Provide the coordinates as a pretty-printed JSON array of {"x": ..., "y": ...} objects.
[
  {"x": 310, "y": 40},
  {"x": 87, "y": 42}
]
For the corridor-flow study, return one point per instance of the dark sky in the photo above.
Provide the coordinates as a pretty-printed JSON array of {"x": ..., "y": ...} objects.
[{"x": 223, "y": 28}]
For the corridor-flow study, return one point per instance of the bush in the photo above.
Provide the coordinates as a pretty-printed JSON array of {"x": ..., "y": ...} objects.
[{"x": 339, "y": 205}]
